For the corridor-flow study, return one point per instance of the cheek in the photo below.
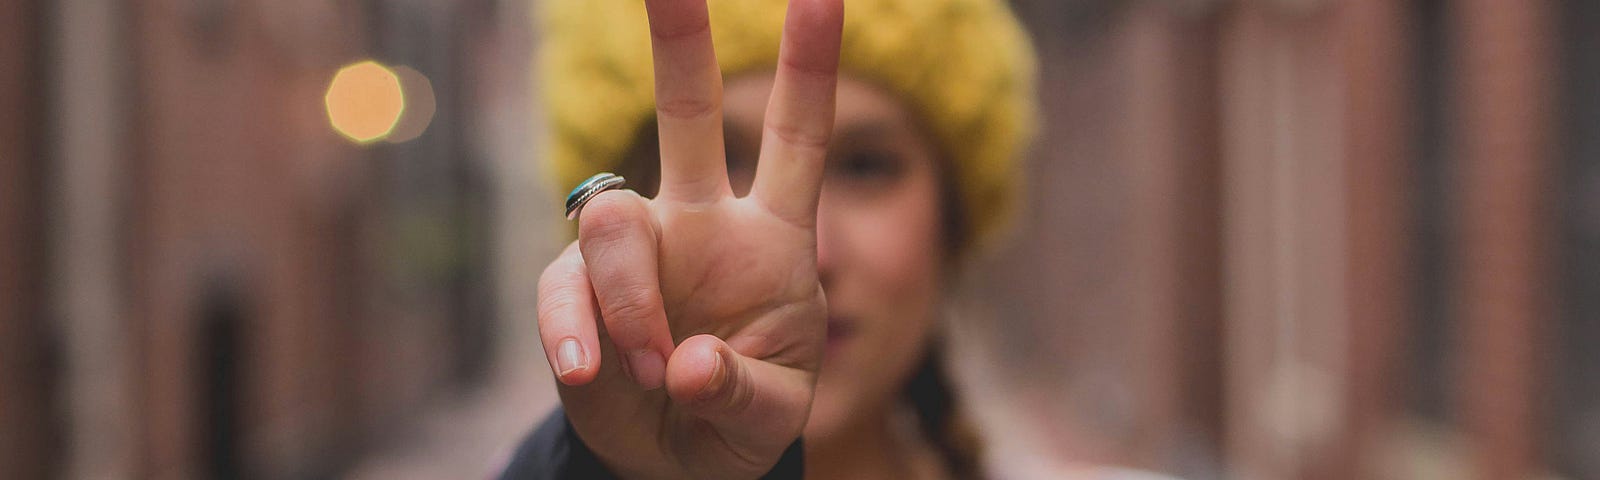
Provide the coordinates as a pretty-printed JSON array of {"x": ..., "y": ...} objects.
[
  {"x": 897, "y": 247},
  {"x": 887, "y": 279}
]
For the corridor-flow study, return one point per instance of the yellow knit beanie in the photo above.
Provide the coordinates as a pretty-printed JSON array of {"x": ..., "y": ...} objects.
[{"x": 965, "y": 66}]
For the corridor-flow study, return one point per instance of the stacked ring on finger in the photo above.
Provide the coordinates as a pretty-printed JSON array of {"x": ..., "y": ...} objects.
[{"x": 589, "y": 189}]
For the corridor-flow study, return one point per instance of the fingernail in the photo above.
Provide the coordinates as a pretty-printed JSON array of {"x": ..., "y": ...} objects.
[
  {"x": 570, "y": 357},
  {"x": 647, "y": 368},
  {"x": 719, "y": 377}
]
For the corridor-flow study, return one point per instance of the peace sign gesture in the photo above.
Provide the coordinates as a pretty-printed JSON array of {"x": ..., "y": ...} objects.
[{"x": 712, "y": 296}]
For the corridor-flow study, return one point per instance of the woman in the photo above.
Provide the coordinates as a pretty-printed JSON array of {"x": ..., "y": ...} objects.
[{"x": 785, "y": 273}]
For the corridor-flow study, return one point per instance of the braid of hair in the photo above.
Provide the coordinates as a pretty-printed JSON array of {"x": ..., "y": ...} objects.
[{"x": 941, "y": 418}]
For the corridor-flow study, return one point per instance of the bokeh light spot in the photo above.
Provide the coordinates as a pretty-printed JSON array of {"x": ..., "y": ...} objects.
[
  {"x": 419, "y": 105},
  {"x": 364, "y": 101}
]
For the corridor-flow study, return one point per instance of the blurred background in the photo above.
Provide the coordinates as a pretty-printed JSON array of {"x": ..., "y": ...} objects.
[{"x": 1268, "y": 239}]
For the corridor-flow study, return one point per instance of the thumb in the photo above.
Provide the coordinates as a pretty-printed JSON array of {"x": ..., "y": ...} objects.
[{"x": 746, "y": 399}]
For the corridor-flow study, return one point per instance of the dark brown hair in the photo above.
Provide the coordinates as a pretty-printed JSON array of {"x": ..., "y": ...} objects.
[
  {"x": 931, "y": 390},
  {"x": 943, "y": 420}
]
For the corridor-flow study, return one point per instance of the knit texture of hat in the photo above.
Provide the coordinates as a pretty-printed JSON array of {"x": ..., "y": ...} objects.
[{"x": 965, "y": 67}]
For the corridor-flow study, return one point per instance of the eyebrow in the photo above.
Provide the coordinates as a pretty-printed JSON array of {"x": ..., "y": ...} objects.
[{"x": 865, "y": 132}]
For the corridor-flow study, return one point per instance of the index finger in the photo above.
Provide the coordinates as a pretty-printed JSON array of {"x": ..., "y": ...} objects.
[{"x": 688, "y": 101}]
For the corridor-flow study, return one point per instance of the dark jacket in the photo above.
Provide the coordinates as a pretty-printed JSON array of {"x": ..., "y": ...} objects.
[{"x": 553, "y": 451}]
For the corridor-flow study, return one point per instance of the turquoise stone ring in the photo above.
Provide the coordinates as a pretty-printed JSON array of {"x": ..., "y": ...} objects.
[{"x": 589, "y": 189}]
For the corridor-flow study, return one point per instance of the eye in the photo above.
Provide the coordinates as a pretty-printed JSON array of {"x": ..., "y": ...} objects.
[{"x": 868, "y": 166}]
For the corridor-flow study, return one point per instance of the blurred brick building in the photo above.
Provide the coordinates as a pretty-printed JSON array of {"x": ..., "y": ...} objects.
[
  {"x": 203, "y": 280},
  {"x": 1268, "y": 239},
  {"x": 1313, "y": 239}
]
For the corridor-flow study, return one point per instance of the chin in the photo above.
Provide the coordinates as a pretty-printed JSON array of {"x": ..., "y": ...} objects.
[{"x": 829, "y": 414}]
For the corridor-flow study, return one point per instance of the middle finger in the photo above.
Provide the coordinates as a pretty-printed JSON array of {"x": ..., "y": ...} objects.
[{"x": 688, "y": 101}]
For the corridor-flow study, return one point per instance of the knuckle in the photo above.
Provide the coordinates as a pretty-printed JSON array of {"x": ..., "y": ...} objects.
[
  {"x": 686, "y": 108},
  {"x": 607, "y": 218},
  {"x": 694, "y": 27},
  {"x": 559, "y": 292},
  {"x": 804, "y": 138},
  {"x": 823, "y": 72},
  {"x": 632, "y": 307},
  {"x": 555, "y": 304},
  {"x": 558, "y": 275},
  {"x": 628, "y": 317},
  {"x": 558, "y": 280}
]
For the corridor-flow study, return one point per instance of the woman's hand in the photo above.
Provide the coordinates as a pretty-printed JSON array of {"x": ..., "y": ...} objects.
[{"x": 713, "y": 297}]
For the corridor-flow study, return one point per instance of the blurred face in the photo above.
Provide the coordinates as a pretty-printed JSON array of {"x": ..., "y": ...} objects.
[{"x": 879, "y": 245}]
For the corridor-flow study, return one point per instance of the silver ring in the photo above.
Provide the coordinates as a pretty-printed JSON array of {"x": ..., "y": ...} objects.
[{"x": 589, "y": 189}]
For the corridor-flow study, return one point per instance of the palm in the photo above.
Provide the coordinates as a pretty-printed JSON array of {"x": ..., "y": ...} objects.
[
  {"x": 725, "y": 271},
  {"x": 741, "y": 275},
  {"x": 714, "y": 297}
]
